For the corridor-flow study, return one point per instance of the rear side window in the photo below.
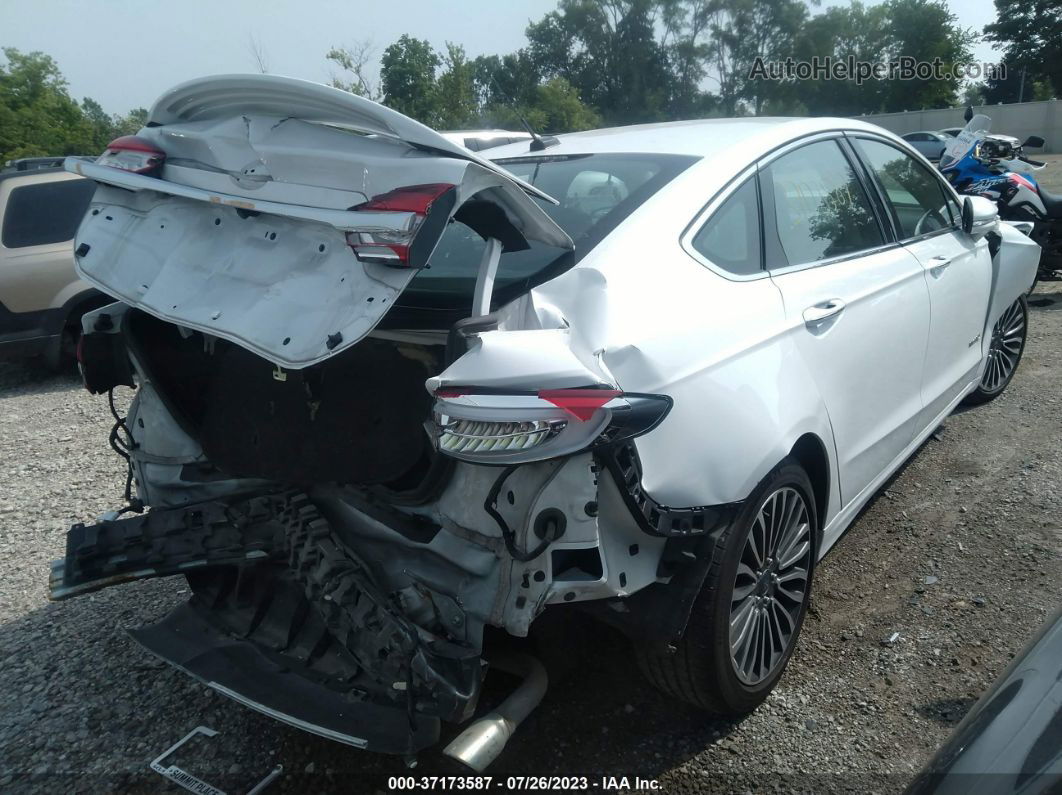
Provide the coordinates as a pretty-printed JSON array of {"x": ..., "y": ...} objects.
[
  {"x": 917, "y": 197},
  {"x": 48, "y": 212},
  {"x": 820, "y": 208},
  {"x": 731, "y": 238}
]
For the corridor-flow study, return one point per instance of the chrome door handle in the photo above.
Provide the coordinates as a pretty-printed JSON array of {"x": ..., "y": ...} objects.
[{"x": 823, "y": 311}]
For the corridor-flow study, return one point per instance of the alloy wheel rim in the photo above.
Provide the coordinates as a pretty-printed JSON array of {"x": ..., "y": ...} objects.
[
  {"x": 1008, "y": 339},
  {"x": 770, "y": 586}
]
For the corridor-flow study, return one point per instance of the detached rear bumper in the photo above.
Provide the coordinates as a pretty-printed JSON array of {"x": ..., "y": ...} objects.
[
  {"x": 284, "y": 619},
  {"x": 264, "y": 681}
]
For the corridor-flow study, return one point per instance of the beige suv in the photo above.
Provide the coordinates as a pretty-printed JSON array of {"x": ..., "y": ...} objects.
[{"x": 41, "y": 297}]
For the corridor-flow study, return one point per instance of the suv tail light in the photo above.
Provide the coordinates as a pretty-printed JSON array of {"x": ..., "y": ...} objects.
[
  {"x": 131, "y": 153},
  {"x": 393, "y": 246},
  {"x": 494, "y": 428}
]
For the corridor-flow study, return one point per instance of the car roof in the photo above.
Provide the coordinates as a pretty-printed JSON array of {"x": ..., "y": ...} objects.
[
  {"x": 699, "y": 137},
  {"x": 35, "y": 174}
]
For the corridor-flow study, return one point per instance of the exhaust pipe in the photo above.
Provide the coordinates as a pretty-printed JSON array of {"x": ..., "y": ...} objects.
[{"x": 479, "y": 744}]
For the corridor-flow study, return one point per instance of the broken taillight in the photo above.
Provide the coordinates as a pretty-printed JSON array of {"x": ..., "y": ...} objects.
[
  {"x": 392, "y": 246},
  {"x": 134, "y": 154},
  {"x": 489, "y": 427}
]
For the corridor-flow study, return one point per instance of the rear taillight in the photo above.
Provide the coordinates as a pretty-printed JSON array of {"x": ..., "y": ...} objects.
[
  {"x": 131, "y": 153},
  {"x": 391, "y": 246},
  {"x": 488, "y": 427}
]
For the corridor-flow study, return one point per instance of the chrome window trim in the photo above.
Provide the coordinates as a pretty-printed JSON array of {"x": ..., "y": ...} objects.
[
  {"x": 751, "y": 171},
  {"x": 865, "y": 252}
]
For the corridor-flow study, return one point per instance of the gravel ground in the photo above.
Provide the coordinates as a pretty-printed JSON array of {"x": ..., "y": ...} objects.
[{"x": 961, "y": 555}]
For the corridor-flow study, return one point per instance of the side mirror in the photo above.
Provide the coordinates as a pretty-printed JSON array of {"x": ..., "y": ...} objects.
[
  {"x": 979, "y": 215},
  {"x": 968, "y": 114},
  {"x": 1035, "y": 141}
]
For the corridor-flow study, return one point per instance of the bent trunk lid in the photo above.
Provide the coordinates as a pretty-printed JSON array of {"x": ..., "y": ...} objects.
[{"x": 243, "y": 235}]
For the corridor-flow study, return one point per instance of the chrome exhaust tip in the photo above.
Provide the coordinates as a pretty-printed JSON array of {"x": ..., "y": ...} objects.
[
  {"x": 483, "y": 740},
  {"x": 479, "y": 744}
]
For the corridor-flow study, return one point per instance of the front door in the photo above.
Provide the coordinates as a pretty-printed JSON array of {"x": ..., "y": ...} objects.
[{"x": 957, "y": 268}]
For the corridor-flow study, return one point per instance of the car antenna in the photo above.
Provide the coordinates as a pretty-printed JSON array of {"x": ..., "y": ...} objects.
[{"x": 538, "y": 142}]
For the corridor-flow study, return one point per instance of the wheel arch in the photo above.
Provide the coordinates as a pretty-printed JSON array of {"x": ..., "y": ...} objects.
[{"x": 810, "y": 452}]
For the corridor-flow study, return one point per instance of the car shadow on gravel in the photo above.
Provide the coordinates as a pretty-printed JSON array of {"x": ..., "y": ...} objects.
[
  {"x": 1048, "y": 296},
  {"x": 22, "y": 377},
  {"x": 86, "y": 707}
]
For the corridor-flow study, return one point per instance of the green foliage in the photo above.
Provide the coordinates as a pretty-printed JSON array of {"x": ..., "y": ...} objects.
[
  {"x": 407, "y": 76},
  {"x": 1030, "y": 33},
  {"x": 924, "y": 30},
  {"x": 38, "y": 117},
  {"x": 455, "y": 90},
  {"x": 355, "y": 61}
]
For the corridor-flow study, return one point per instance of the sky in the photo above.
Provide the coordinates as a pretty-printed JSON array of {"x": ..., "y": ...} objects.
[{"x": 125, "y": 53}]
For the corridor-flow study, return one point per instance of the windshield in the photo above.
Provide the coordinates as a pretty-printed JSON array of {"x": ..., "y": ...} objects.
[
  {"x": 596, "y": 192},
  {"x": 970, "y": 135}
]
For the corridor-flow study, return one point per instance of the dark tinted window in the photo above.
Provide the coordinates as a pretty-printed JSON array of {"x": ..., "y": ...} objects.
[
  {"x": 820, "y": 207},
  {"x": 596, "y": 192},
  {"x": 917, "y": 196},
  {"x": 731, "y": 238},
  {"x": 48, "y": 212}
]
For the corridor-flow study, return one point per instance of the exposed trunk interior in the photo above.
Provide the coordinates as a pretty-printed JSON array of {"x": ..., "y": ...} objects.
[{"x": 356, "y": 418}]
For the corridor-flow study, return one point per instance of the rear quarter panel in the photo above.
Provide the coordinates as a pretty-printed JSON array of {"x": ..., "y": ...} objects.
[{"x": 655, "y": 320}]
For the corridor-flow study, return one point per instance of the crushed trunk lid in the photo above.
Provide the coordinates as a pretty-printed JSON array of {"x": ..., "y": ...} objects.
[{"x": 249, "y": 231}]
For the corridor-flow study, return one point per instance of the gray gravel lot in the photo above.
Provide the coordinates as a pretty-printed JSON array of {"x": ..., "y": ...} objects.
[{"x": 961, "y": 555}]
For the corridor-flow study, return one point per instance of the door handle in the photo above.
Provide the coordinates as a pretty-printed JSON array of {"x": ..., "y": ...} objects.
[
  {"x": 939, "y": 263},
  {"x": 823, "y": 311}
]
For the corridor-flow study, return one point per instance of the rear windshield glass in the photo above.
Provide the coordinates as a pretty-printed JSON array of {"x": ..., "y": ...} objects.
[
  {"x": 48, "y": 212},
  {"x": 596, "y": 192}
]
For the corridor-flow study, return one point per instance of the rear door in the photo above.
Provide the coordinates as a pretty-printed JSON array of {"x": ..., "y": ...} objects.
[
  {"x": 856, "y": 302},
  {"x": 957, "y": 269}
]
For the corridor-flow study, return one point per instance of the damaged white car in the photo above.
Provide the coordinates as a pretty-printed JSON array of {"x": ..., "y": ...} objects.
[{"x": 390, "y": 393}]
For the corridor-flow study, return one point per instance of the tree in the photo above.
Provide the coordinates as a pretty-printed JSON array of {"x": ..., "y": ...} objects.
[
  {"x": 355, "y": 60},
  {"x": 562, "y": 110},
  {"x": 769, "y": 31},
  {"x": 37, "y": 115},
  {"x": 607, "y": 50},
  {"x": 407, "y": 76},
  {"x": 258, "y": 54},
  {"x": 1030, "y": 34},
  {"x": 926, "y": 31},
  {"x": 859, "y": 32},
  {"x": 455, "y": 90}
]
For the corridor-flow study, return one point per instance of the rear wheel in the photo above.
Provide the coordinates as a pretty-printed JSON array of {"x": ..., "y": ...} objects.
[
  {"x": 747, "y": 617},
  {"x": 1004, "y": 353}
]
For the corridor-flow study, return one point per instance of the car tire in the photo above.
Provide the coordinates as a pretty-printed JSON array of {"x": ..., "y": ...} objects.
[
  {"x": 705, "y": 670},
  {"x": 1004, "y": 353}
]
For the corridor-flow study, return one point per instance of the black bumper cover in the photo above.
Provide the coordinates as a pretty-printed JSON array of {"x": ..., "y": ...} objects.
[{"x": 263, "y": 681}]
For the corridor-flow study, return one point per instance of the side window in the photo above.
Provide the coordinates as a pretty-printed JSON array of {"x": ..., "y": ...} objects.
[
  {"x": 820, "y": 207},
  {"x": 917, "y": 196},
  {"x": 48, "y": 212},
  {"x": 731, "y": 237}
]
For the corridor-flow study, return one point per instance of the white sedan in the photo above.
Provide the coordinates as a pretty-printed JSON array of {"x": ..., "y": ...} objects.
[{"x": 390, "y": 393}]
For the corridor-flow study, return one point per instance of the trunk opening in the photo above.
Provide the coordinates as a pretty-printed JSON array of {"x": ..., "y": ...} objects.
[{"x": 356, "y": 418}]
